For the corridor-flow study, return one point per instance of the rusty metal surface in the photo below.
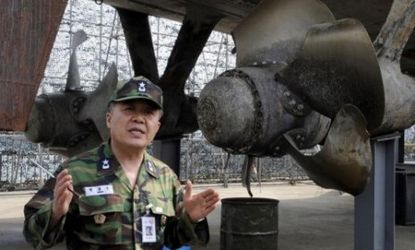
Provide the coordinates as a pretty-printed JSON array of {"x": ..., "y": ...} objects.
[
  {"x": 245, "y": 111},
  {"x": 242, "y": 228},
  {"x": 28, "y": 30},
  {"x": 372, "y": 13},
  {"x": 232, "y": 10}
]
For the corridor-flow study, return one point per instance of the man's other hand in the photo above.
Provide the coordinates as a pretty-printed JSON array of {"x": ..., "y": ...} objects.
[{"x": 198, "y": 206}]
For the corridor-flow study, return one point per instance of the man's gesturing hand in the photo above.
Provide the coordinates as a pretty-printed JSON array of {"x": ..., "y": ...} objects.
[
  {"x": 198, "y": 206},
  {"x": 61, "y": 195}
]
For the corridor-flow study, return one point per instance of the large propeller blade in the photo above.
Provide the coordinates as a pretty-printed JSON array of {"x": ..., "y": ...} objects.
[
  {"x": 338, "y": 65},
  {"x": 73, "y": 82},
  {"x": 95, "y": 106},
  {"x": 345, "y": 161},
  {"x": 275, "y": 31}
]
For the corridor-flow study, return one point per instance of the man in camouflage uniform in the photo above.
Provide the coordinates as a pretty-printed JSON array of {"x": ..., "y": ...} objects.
[{"x": 117, "y": 196}]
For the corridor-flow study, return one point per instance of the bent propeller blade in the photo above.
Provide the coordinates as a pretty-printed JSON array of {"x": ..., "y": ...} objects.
[{"x": 345, "y": 161}]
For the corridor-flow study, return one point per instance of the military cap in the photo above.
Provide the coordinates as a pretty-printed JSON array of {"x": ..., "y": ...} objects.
[{"x": 138, "y": 88}]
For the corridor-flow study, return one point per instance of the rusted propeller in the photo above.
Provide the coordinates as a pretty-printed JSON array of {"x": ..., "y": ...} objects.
[
  {"x": 262, "y": 109},
  {"x": 83, "y": 127}
]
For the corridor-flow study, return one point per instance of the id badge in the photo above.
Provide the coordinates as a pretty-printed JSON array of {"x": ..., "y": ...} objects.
[{"x": 148, "y": 229}]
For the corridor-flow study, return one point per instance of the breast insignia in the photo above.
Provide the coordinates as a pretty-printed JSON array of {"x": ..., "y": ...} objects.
[{"x": 99, "y": 219}]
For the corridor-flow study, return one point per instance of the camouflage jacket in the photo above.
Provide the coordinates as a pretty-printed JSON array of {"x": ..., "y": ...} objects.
[{"x": 109, "y": 212}]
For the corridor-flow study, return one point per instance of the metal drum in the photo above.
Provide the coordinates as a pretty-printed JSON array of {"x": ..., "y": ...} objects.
[{"x": 249, "y": 223}]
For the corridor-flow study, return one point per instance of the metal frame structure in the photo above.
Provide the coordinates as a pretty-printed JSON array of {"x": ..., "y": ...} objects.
[
  {"x": 375, "y": 207},
  {"x": 219, "y": 48}
]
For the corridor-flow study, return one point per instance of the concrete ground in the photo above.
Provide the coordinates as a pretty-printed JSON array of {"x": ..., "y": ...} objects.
[{"x": 309, "y": 218}]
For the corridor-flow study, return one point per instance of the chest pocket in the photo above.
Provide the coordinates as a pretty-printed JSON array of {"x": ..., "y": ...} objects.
[
  {"x": 101, "y": 217},
  {"x": 162, "y": 206},
  {"x": 161, "y": 197}
]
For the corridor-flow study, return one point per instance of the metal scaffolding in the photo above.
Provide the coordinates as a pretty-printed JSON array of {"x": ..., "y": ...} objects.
[
  {"x": 16, "y": 170},
  {"x": 106, "y": 44}
]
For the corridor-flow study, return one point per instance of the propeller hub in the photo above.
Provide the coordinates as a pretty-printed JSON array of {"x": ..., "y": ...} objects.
[
  {"x": 245, "y": 111},
  {"x": 226, "y": 110}
]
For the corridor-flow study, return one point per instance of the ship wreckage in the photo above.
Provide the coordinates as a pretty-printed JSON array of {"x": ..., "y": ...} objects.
[{"x": 308, "y": 72}]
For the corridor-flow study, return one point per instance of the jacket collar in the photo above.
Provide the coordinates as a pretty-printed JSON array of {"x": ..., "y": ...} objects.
[
  {"x": 108, "y": 164},
  {"x": 150, "y": 166}
]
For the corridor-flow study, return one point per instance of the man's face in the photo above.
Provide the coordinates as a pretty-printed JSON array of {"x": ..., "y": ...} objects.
[{"x": 133, "y": 124}]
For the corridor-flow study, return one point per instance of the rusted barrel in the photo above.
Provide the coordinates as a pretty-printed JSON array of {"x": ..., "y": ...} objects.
[{"x": 249, "y": 223}]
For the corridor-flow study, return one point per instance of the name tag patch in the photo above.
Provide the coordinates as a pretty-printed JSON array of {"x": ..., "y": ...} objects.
[{"x": 98, "y": 190}]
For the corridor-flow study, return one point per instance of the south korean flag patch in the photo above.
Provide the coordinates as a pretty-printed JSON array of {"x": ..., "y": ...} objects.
[{"x": 142, "y": 88}]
